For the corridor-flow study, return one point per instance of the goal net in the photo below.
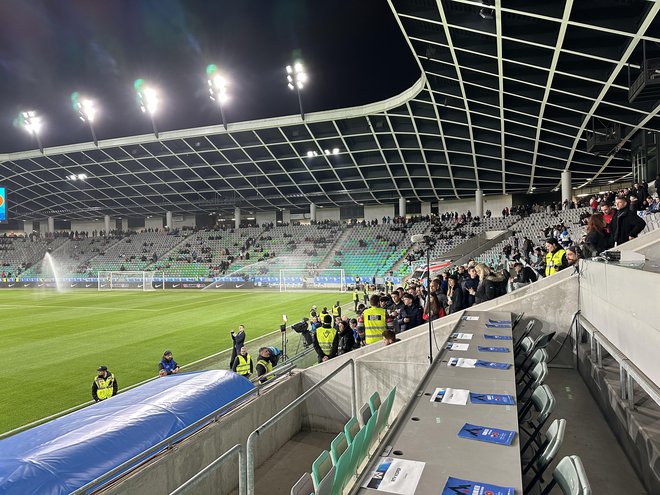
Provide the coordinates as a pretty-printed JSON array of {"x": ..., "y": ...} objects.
[
  {"x": 131, "y": 280},
  {"x": 304, "y": 279}
]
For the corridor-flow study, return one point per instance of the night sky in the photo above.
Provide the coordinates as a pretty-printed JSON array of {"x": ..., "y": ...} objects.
[{"x": 353, "y": 51}]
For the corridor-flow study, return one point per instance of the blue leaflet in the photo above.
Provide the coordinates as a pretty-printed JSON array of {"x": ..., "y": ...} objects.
[
  {"x": 493, "y": 349},
  {"x": 501, "y": 322},
  {"x": 455, "y": 486},
  {"x": 486, "y": 434},
  {"x": 503, "y": 399},
  {"x": 497, "y": 325},
  {"x": 492, "y": 365},
  {"x": 498, "y": 337}
]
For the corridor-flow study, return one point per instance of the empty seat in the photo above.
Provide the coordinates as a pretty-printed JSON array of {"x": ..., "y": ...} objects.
[
  {"x": 570, "y": 476},
  {"x": 338, "y": 446},
  {"x": 538, "y": 374},
  {"x": 304, "y": 486},
  {"x": 546, "y": 452},
  {"x": 351, "y": 429},
  {"x": 543, "y": 401},
  {"x": 374, "y": 402},
  {"x": 323, "y": 474},
  {"x": 365, "y": 413}
]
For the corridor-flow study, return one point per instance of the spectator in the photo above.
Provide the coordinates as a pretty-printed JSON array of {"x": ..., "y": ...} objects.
[
  {"x": 264, "y": 367},
  {"x": 454, "y": 295},
  {"x": 626, "y": 224},
  {"x": 470, "y": 286},
  {"x": 239, "y": 342},
  {"x": 596, "y": 240},
  {"x": 573, "y": 256},
  {"x": 410, "y": 315},
  {"x": 489, "y": 284},
  {"x": 346, "y": 338},
  {"x": 104, "y": 385},
  {"x": 524, "y": 275},
  {"x": 326, "y": 340},
  {"x": 167, "y": 365},
  {"x": 433, "y": 309},
  {"x": 389, "y": 337},
  {"x": 243, "y": 363},
  {"x": 555, "y": 259}
]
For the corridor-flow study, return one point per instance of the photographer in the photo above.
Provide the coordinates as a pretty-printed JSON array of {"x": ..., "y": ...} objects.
[
  {"x": 239, "y": 341},
  {"x": 326, "y": 340}
]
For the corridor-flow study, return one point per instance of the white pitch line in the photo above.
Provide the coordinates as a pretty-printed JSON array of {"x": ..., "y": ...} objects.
[{"x": 99, "y": 308}]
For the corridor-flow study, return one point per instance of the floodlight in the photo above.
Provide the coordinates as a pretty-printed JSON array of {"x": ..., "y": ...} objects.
[
  {"x": 31, "y": 122},
  {"x": 335, "y": 151},
  {"x": 296, "y": 79},
  {"x": 148, "y": 100},
  {"x": 86, "y": 110},
  {"x": 218, "y": 89},
  {"x": 327, "y": 152}
]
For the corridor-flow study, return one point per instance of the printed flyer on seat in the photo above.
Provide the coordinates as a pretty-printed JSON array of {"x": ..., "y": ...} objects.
[
  {"x": 396, "y": 476},
  {"x": 457, "y": 486}
]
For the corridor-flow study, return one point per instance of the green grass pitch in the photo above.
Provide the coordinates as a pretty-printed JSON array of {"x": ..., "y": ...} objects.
[{"x": 53, "y": 342}]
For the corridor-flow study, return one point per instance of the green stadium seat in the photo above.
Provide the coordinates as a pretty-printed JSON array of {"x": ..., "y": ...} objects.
[
  {"x": 343, "y": 471},
  {"x": 374, "y": 402},
  {"x": 338, "y": 446},
  {"x": 323, "y": 474},
  {"x": 351, "y": 429}
]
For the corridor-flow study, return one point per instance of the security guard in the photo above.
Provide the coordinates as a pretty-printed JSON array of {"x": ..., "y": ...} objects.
[
  {"x": 374, "y": 321},
  {"x": 104, "y": 385},
  {"x": 336, "y": 310},
  {"x": 365, "y": 293},
  {"x": 356, "y": 299},
  {"x": 312, "y": 312},
  {"x": 243, "y": 363},
  {"x": 555, "y": 260},
  {"x": 357, "y": 281},
  {"x": 326, "y": 340},
  {"x": 264, "y": 367},
  {"x": 389, "y": 285}
]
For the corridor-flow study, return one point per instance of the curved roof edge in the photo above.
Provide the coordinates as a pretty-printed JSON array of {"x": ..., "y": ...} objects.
[{"x": 249, "y": 125}]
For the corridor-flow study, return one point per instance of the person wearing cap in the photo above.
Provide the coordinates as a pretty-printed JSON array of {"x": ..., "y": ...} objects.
[
  {"x": 326, "y": 340},
  {"x": 626, "y": 224},
  {"x": 167, "y": 365},
  {"x": 555, "y": 260},
  {"x": 313, "y": 313},
  {"x": 264, "y": 367},
  {"x": 104, "y": 385},
  {"x": 410, "y": 315}
]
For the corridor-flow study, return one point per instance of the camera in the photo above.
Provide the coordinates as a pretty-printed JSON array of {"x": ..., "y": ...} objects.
[
  {"x": 283, "y": 327},
  {"x": 302, "y": 328}
]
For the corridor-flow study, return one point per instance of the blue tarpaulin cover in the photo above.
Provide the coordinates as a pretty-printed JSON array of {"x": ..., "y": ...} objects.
[{"x": 64, "y": 454}]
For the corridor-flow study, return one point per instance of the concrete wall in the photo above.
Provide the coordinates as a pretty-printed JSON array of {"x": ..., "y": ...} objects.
[
  {"x": 493, "y": 203},
  {"x": 179, "y": 221},
  {"x": 378, "y": 211},
  {"x": 327, "y": 214},
  {"x": 174, "y": 467},
  {"x": 89, "y": 225},
  {"x": 153, "y": 223},
  {"x": 265, "y": 217}
]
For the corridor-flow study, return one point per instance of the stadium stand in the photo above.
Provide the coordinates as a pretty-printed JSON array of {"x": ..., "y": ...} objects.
[{"x": 18, "y": 254}]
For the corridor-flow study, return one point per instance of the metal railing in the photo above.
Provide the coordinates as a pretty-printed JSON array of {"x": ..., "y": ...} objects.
[
  {"x": 252, "y": 438},
  {"x": 168, "y": 443},
  {"x": 197, "y": 479},
  {"x": 629, "y": 374}
]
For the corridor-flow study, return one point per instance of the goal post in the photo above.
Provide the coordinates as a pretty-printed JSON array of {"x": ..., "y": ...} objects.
[
  {"x": 131, "y": 280},
  {"x": 305, "y": 279}
]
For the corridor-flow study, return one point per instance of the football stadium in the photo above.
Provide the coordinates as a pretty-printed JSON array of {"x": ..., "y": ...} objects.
[{"x": 379, "y": 247}]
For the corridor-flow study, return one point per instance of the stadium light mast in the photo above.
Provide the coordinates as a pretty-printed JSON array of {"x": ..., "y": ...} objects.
[
  {"x": 296, "y": 78},
  {"x": 31, "y": 122},
  {"x": 218, "y": 89},
  {"x": 86, "y": 110},
  {"x": 148, "y": 100}
]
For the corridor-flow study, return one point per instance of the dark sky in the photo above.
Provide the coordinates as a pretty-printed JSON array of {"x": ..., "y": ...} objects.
[{"x": 353, "y": 51}]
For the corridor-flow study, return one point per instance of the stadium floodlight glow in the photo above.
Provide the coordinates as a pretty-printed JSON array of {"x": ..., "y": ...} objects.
[
  {"x": 148, "y": 100},
  {"x": 296, "y": 78},
  {"x": 31, "y": 122},
  {"x": 327, "y": 152},
  {"x": 335, "y": 151},
  {"x": 86, "y": 110},
  {"x": 218, "y": 84}
]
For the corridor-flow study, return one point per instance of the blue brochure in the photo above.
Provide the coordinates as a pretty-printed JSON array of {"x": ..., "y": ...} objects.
[
  {"x": 497, "y": 325},
  {"x": 503, "y": 399},
  {"x": 493, "y": 349},
  {"x": 501, "y": 322},
  {"x": 486, "y": 434},
  {"x": 455, "y": 486},
  {"x": 492, "y": 365},
  {"x": 498, "y": 337}
]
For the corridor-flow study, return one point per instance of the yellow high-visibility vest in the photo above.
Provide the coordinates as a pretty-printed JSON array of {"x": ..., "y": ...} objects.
[
  {"x": 105, "y": 388},
  {"x": 374, "y": 324},
  {"x": 244, "y": 363},
  {"x": 267, "y": 365},
  {"x": 325, "y": 338},
  {"x": 553, "y": 262},
  {"x": 335, "y": 310}
]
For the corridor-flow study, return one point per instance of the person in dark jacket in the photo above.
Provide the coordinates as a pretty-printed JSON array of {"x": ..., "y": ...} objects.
[
  {"x": 596, "y": 239},
  {"x": 524, "y": 275},
  {"x": 239, "y": 341},
  {"x": 454, "y": 295},
  {"x": 410, "y": 315},
  {"x": 346, "y": 338},
  {"x": 626, "y": 224},
  {"x": 471, "y": 283},
  {"x": 326, "y": 340},
  {"x": 488, "y": 286},
  {"x": 104, "y": 385}
]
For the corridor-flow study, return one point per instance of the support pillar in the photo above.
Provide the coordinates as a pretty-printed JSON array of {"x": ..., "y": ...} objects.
[
  {"x": 168, "y": 220},
  {"x": 312, "y": 212},
  {"x": 479, "y": 203},
  {"x": 566, "y": 188},
  {"x": 237, "y": 217},
  {"x": 28, "y": 226},
  {"x": 426, "y": 209},
  {"x": 402, "y": 207},
  {"x": 51, "y": 225},
  {"x": 106, "y": 222}
]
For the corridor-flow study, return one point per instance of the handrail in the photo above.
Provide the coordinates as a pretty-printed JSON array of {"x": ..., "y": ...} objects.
[
  {"x": 303, "y": 397},
  {"x": 169, "y": 441},
  {"x": 197, "y": 478}
]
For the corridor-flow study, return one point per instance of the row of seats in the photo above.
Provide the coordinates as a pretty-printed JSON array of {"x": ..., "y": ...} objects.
[
  {"x": 536, "y": 403},
  {"x": 332, "y": 471}
]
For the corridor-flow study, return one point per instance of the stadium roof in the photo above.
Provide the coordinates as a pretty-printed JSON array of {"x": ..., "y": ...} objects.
[{"x": 502, "y": 105}]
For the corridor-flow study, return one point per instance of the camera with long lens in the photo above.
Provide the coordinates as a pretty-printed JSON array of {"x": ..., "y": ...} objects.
[{"x": 302, "y": 327}]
